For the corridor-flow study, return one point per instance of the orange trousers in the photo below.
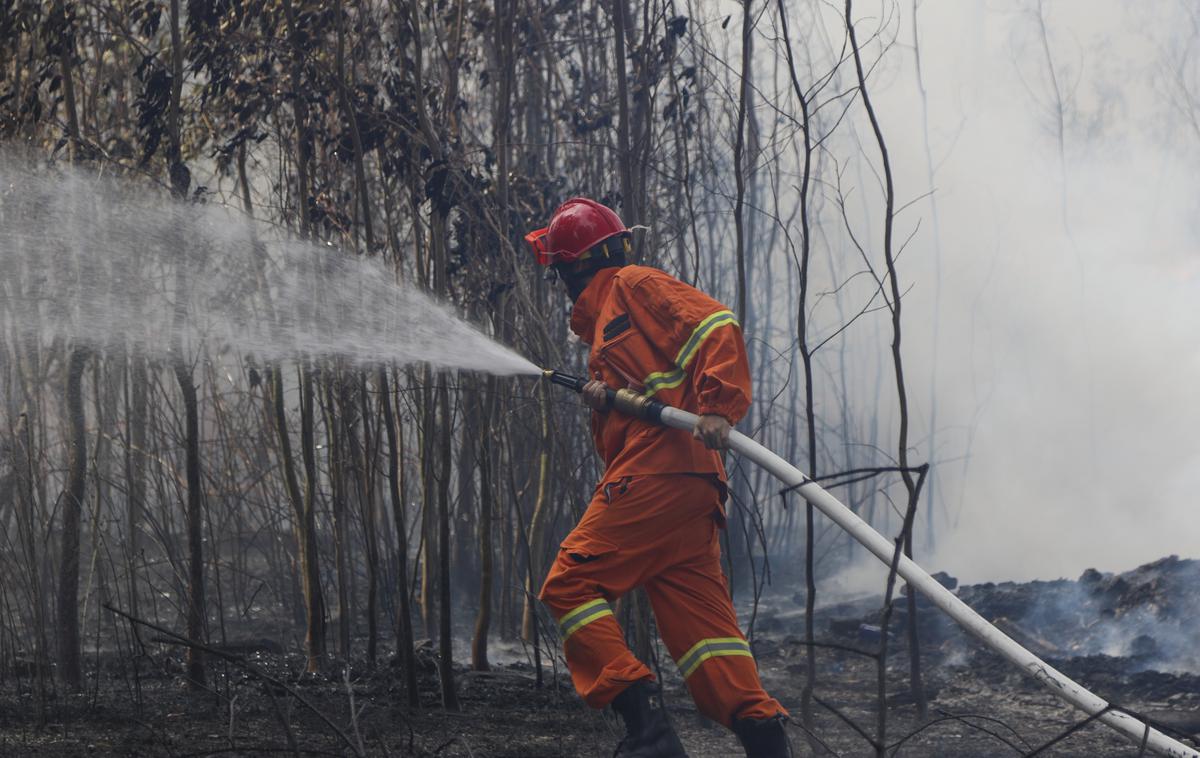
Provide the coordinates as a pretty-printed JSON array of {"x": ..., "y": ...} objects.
[{"x": 659, "y": 532}]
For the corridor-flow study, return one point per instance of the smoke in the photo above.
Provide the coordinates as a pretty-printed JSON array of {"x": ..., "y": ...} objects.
[
  {"x": 1066, "y": 364},
  {"x": 98, "y": 262},
  {"x": 1144, "y": 614},
  {"x": 1048, "y": 244}
]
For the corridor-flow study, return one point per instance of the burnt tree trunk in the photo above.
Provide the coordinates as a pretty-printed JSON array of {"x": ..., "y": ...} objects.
[
  {"x": 364, "y": 459},
  {"x": 73, "y": 494},
  {"x": 68, "y": 575},
  {"x": 428, "y": 550},
  {"x": 195, "y": 534},
  {"x": 483, "y": 620},
  {"x": 810, "y": 419},
  {"x": 135, "y": 471},
  {"x": 180, "y": 181},
  {"x": 338, "y": 496},
  {"x": 445, "y": 629},
  {"x": 910, "y": 484},
  {"x": 404, "y": 630},
  {"x": 315, "y": 599},
  {"x": 304, "y": 525},
  {"x": 537, "y": 529}
]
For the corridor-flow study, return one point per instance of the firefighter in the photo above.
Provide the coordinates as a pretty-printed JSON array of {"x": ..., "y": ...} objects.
[{"x": 655, "y": 517}]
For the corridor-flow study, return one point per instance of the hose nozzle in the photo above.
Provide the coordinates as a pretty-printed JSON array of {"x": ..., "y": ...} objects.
[{"x": 574, "y": 383}]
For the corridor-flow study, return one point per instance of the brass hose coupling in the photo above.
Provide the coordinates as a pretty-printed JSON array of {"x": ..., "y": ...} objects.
[{"x": 632, "y": 404}]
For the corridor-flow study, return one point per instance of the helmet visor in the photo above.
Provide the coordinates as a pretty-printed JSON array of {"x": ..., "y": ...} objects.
[{"x": 537, "y": 243}]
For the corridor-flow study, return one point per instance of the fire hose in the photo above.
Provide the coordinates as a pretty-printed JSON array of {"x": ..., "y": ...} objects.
[{"x": 656, "y": 412}]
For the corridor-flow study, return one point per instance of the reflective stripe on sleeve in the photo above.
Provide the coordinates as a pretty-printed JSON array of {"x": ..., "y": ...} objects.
[
  {"x": 663, "y": 380},
  {"x": 712, "y": 647},
  {"x": 579, "y": 617},
  {"x": 688, "y": 351}
]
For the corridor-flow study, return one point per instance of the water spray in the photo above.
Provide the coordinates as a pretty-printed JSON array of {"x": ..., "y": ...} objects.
[
  {"x": 105, "y": 263},
  {"x": 657, "y": 412}
]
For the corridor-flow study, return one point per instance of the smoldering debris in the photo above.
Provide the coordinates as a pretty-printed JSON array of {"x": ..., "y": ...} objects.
[
  {"x": 1125, "y": 636},
  {"x": 1141, "y": 620},
  {"x": 1146, "y": 615}
]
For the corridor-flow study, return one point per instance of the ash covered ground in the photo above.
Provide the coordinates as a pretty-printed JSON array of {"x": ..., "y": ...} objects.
[{"x": 1129, "y": 637}]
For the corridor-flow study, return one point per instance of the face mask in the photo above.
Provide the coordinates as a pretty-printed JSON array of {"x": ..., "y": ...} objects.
[{"x": 575, "y": 281}]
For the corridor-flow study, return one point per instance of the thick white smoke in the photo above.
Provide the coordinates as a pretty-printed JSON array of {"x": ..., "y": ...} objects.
[{"x": 1070, "y": 290}]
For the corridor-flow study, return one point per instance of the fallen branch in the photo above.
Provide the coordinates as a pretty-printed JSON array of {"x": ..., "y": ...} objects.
[
  {"x": 254, "y": 749},
  {"x": 894, "y": 748},
  {"x": 1143, "y": 743},
  {"x": 836, "y": 646},
  {"x": 848, "y": 721},
  {"x": 242, "y": 664},
  {"x": 813, "y": 736},
  {"x": 1074, "y": 728}
]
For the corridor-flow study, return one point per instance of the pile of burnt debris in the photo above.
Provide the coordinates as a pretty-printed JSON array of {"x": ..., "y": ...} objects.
[
  {"x": 1128, "y": 637},
  {"x": 1146, "y": 616}
]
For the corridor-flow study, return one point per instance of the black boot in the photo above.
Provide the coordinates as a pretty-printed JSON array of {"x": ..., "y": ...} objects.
[
  {"x": 763, "y": 738},
  {"x": 648, "y": 734}
]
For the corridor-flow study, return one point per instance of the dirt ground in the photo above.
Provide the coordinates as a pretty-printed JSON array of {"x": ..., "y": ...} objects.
[
  {"x": 504, "y": 714},
  {"x": 978, "y": 704}
]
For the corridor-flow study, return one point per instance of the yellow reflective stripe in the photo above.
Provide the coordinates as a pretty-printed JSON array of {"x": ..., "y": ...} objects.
[
  {"x": 713, "y": 647},
  {"x": 665, "y": 380},
  {"x": 577, "y": 618},
  {"x": 688, "y": 351}
]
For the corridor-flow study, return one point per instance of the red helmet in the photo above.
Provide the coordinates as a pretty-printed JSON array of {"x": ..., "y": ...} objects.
[{"x": 575, "y": 228}]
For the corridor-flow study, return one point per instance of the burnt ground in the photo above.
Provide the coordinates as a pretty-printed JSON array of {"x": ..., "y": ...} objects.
[{"x": 1128, "y": 637}]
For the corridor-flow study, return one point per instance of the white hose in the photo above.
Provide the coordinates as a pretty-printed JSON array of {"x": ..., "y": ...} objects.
[{"x": 943, "y": 598}]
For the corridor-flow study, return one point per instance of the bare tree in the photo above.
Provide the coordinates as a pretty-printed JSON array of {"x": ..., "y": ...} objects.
[{"x": 894, "y": 306}]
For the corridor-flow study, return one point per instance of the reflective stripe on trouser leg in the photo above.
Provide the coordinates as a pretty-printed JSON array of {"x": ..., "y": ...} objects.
[
  {"x": 713, "y": 647},
  {"x": 580, "y": 616},
  {"x": 699, "y": 626},
  {"x": 600, "y": 662}
]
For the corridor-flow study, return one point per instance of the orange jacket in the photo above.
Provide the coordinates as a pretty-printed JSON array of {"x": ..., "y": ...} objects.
[{"x": 654, "y": 334}]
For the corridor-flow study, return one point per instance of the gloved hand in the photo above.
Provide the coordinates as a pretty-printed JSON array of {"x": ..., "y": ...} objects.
[
  {"x": 595, "y": 395},
  {"x": 713, "y": 430}
]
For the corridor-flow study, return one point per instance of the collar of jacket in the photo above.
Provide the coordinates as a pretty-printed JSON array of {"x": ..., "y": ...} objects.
[{"x": 587, "y": 307}]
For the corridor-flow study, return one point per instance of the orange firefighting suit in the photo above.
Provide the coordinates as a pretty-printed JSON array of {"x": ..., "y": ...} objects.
[{"x": 655, "y": 517}]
